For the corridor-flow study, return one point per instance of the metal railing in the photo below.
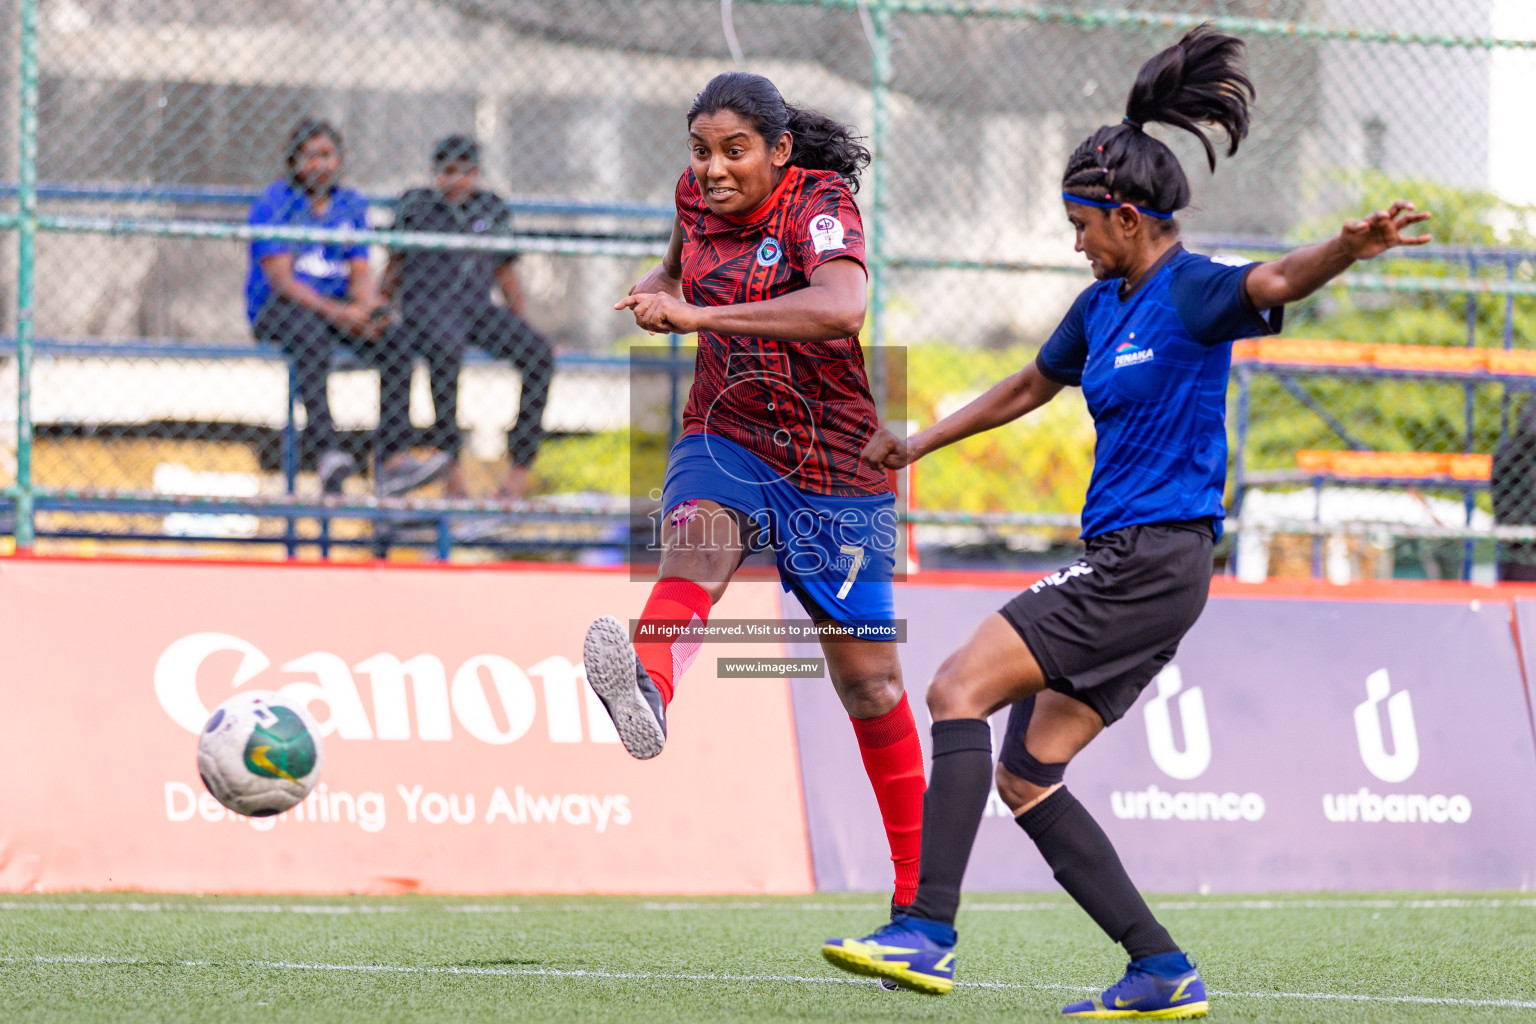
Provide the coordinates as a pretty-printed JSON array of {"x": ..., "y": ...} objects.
[{"x": 917, "y": 240}]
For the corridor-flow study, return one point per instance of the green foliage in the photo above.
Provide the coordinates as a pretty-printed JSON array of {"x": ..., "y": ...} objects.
[
  {"x": 593, "y": 463},
  {"x": 602, "y": 463},
  {"x": 1039, "y": 464},
  {"x": 1462, "y": 217},
  {"x": 1404, "y": 415}
]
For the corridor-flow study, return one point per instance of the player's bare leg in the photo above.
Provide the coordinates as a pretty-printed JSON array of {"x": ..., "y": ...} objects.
[
  {"x": 1058, "y": 730},
  {"x": 992, "y": 669},
  {"x": 702, "y": 547}
]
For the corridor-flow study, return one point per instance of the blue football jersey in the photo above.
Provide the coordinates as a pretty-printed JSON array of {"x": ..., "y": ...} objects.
[
  {"x": 1153, "y": 367},
  {"x": 323, "y": 266}
]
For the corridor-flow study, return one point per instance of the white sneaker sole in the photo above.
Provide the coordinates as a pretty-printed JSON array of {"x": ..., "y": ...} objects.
[{"x": 610, "y": 663}]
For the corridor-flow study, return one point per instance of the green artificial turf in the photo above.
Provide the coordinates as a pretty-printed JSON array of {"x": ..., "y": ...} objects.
[{"x": 236, "y": 958}]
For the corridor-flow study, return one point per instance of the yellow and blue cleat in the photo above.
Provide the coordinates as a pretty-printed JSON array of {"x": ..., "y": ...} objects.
[
  {"x": 1162, "y": 987},
  {"x": 914, "y": 952}
]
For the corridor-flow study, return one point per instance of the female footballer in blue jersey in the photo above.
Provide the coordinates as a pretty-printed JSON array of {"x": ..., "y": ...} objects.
[{"x": 1150, "y": 345}]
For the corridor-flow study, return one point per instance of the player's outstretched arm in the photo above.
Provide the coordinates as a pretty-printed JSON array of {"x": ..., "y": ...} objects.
[
  {"x": 1003, "y": 402},
  {"x": 1303, "y": 271},
  {"x": 831, "y": 306}
]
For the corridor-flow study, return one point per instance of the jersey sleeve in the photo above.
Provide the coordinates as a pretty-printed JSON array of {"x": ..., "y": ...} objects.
[
  {"x": 827, "y": 227},
  {"x": 1065, "y": 353},
  {"x": 356, "y": 216},
  {"x": 407, "y": 216},
  {"x": 1211, "y": 299},
  {"x": 501, "y": 227},
  {"x": 265, "y": 212},
  {"x": 686, "y": 197}
]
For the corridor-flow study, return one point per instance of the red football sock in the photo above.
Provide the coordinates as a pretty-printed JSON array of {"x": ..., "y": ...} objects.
[
  {"x": 672, "y": 600},
  {"x": 893, "y": 757}
]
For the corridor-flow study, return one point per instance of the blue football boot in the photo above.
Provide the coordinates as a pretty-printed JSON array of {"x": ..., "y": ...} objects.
[
  {"x": 632, "y": 699},
  {"x": 914, "y": 952},
  {"x": 887, "y": 983},
  {"x": 1162, "y": 987}
]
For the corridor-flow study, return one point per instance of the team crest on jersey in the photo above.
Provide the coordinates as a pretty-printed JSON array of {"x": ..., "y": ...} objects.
[
  {"x": 770, "y": 252},
  {"x": 826, "y": 232},
  {"x": 1128, "y": 353}
]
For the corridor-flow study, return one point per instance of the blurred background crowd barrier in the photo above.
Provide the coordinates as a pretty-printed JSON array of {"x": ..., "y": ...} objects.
[{"x": 1384, "y": 435}]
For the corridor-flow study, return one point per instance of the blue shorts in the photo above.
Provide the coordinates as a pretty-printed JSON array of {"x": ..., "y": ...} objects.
[{"x": 836, "y": 554}]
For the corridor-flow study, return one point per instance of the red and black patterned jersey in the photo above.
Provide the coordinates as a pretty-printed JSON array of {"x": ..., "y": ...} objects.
[{"x": 803, "y": 407}]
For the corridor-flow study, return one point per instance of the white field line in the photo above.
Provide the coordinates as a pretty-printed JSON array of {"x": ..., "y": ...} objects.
[
  {"x": 1288, "y": 904},
  {"x": 512, "y": 908},
  {"x": 795, "y": 979}
]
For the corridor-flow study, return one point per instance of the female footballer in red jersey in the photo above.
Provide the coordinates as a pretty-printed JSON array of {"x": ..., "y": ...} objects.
[{"x": 766, "y": 264}]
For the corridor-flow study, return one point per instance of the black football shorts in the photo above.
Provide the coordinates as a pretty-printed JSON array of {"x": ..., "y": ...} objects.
[{"x": 1101, "y": 629}]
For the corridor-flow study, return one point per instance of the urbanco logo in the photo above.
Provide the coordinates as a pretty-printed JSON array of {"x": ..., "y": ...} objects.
[
  {"x": 1399, "y": 765},
  {"x": 438, "y": 702},
  {"x": 1195, "y": 758},
  {"x": 1189, "y": 763}
]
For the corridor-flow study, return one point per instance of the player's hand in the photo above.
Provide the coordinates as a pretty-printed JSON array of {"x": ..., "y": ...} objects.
[
  {"x": 661, "y": 313},
  {"x": 1382, "y": 230},
  {"x": 887, "y": 451},
  {"x": 356, "y": 319},
  {"x": 658, "y": 280},
  {"x": 378, "y": 322},
  {"x": 379, "y": 318}
]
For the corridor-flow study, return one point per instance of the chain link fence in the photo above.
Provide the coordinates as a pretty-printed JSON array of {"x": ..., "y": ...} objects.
[{"x": 465, "y": 385}]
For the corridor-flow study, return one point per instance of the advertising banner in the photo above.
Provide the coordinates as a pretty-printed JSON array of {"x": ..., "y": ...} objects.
[
  {"x": 464, "y": 751},
  {"x": 1291, "y": 744}
]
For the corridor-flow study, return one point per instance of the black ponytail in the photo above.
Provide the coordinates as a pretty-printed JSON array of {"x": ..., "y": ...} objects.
[
  {"x": 819, "y": 142},
  {"x": 1198, "y": 81}
]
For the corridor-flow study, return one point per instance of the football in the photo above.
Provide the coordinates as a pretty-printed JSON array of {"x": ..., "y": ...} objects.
[{"x": 259, "y": 754}]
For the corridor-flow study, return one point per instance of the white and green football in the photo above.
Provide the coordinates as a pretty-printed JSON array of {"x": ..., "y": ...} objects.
[{"x": 259, "y": 754}]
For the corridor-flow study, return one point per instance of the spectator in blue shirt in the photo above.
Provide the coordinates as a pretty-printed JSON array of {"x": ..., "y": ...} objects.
[{"x": 309, "y": 297}]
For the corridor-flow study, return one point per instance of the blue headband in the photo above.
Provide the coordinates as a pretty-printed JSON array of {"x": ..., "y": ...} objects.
[{"x": 1069, "y": 197}]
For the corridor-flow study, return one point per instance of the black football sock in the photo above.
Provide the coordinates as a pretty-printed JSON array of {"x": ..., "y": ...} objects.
[
  {"x": 1087, "y": 866},
  {"x": 952, "y": 807}
]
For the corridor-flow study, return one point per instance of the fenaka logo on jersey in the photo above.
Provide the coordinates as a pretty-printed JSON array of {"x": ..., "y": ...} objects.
[
  {"x": 312, "y": 262},
  {"x": 1395, "y": 766},
  {"x": 826, "y": 232},
  {"x": 1128, "y": 353}
]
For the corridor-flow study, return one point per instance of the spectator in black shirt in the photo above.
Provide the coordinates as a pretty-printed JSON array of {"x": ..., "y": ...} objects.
[{"x": 445, "y": 307}]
